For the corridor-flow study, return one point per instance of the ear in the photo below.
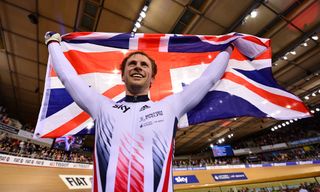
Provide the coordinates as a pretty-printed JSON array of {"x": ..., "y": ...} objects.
[
  {"x": 122, "y": 78},
  {"x": 152, "y": 80}
]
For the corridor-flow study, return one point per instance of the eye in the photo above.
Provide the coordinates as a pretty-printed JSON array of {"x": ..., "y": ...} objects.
[
  {"x": 144, "y": 64},
  {"x": 132, "y": 63}
]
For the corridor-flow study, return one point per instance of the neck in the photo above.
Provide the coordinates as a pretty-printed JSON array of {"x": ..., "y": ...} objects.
[
  {"x": 136, "y": 92},
  {"x": 136, "y": 98}
]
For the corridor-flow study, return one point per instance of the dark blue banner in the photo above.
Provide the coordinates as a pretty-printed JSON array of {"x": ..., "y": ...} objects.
[
  {"x": 185, "y": 179},
  {"x": 316, "y": 162},
  {"x": 291, "y": 163},
  {"x": 229, "y": 176},
  {"x": 8, "y": 128},
  {"x": 304, "y": 141}
]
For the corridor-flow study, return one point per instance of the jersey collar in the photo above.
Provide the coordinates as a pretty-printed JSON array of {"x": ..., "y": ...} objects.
[{"x": 135, "y": 99}]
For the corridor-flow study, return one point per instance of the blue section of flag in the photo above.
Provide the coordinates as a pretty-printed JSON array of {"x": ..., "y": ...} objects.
[
  {"x": 86, "y": 131},
  {"x": 262, "y": 76},
  {"x": 59, "y": 99},
  {"x": 192, "y": 44},
  {"x": 118, "y": 41},
  {"x": 221, "y": 105}
]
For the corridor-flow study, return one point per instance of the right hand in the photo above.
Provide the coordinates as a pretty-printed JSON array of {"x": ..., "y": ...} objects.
[{"x": 51, "y": 36}]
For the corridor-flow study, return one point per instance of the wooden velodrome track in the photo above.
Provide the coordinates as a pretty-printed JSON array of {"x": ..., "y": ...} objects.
[{"x": 21, "y": 178}]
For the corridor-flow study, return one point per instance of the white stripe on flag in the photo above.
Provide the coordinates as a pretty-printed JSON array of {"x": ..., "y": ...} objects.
[
  {"x": 266, "y": 88},
  {"x": 164, "y": 43},
  {"x": 80, "y": 127},
  {"x": 261, "y": 103},
  {"x": 86, "y": 47},
  {"x": 216, "y": 42},
  {"x": 60, "y": 118},
  {"x": 249, "y": 65},
  {"x": 134, "y": 41},
  {"x": 95, "y": 35},
  {"x": 73, "y": 110},
  {"x": 100, "y": 81}
]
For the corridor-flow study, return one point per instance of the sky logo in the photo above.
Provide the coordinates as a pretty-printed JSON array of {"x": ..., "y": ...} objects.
[
  {"x": 181, "y": 179},
  {"x": 185, "y": 179}
]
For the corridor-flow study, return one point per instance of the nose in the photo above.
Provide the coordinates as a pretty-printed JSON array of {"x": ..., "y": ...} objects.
[{"x": 138, "y": 67}]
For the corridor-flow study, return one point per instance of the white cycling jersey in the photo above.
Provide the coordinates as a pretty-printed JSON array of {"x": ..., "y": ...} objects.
[{"x": 134, "y": 139}]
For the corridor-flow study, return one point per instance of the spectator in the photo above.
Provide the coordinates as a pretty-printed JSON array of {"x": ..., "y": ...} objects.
[
  {"x": 3, "y": 135},
  {"x": 6, "y": 120},
  {"x": 24, "y": 148},
  {"x": 302, "y": 189}
]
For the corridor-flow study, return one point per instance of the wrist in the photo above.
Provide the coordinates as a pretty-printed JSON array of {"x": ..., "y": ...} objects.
[
  {"x": 53, "y": 41},
  {"x": 229, "y": 49}
]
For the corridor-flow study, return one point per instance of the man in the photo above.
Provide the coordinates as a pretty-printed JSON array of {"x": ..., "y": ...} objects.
[{"x": 134, "y": 139}]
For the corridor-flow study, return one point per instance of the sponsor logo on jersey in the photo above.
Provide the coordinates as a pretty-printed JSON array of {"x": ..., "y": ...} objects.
[
  {"x": 146, "y": 124},
  {"x": 151, "y": 115},
  {"x": 122, "y": 107},
  {"x": 148, "y": 119},
  {"x": 144, "y": 107}
]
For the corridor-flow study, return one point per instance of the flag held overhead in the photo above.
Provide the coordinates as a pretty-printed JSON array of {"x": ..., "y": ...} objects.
[{"x": 246, "y": 89}]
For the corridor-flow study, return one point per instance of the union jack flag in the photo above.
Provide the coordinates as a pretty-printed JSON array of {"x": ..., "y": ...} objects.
[{"x": 246, "y": 89}]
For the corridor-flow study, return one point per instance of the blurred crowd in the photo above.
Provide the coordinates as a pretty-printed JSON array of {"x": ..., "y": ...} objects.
[
  {"x": 5, "y": 119},
  {"x": 283, "y": 135},
  {"x": 17, "y": 147},
  {"x": 303, "y": 187},
  {"x": 311, "y": 152}
]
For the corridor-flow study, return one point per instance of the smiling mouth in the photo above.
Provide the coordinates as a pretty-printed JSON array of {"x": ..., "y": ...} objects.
[{"x": 136, "y": 75}]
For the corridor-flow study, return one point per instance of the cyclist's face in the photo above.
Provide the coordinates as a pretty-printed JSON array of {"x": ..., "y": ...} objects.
[{"x": 138, "y": 75}]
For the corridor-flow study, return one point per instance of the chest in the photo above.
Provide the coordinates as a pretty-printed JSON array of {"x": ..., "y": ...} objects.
[{"x": 140, "y": 116}]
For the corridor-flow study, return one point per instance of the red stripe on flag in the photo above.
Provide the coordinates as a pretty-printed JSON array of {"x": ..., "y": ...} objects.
[
  {"x": 218, "y": 39},
  {"x": 265, "y": 55},
  {"x": 150, "y": 42},
  {"x": 102, "y": 62},
  {"x": 254, "y": 40},
  {"x": 75, "y": 34},
  {"x": 82, "y": 117},
  {"x": 282, "y": 101},
  {"x": 237, "y": 55},
  {"x": 168, "y": 169},
  {"x": 69, "y": 126}
]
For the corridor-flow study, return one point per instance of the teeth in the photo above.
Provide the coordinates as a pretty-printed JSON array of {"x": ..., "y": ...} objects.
[{"x": 137, "y": 75}]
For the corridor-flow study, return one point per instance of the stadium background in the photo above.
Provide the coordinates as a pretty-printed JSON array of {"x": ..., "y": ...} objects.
[{"x": 293, "y": 27}]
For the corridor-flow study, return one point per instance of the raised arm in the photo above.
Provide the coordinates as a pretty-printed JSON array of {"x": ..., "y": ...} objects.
[
  {"x": 88, "y": 99},
  {"x": 193, "y": 93}
]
